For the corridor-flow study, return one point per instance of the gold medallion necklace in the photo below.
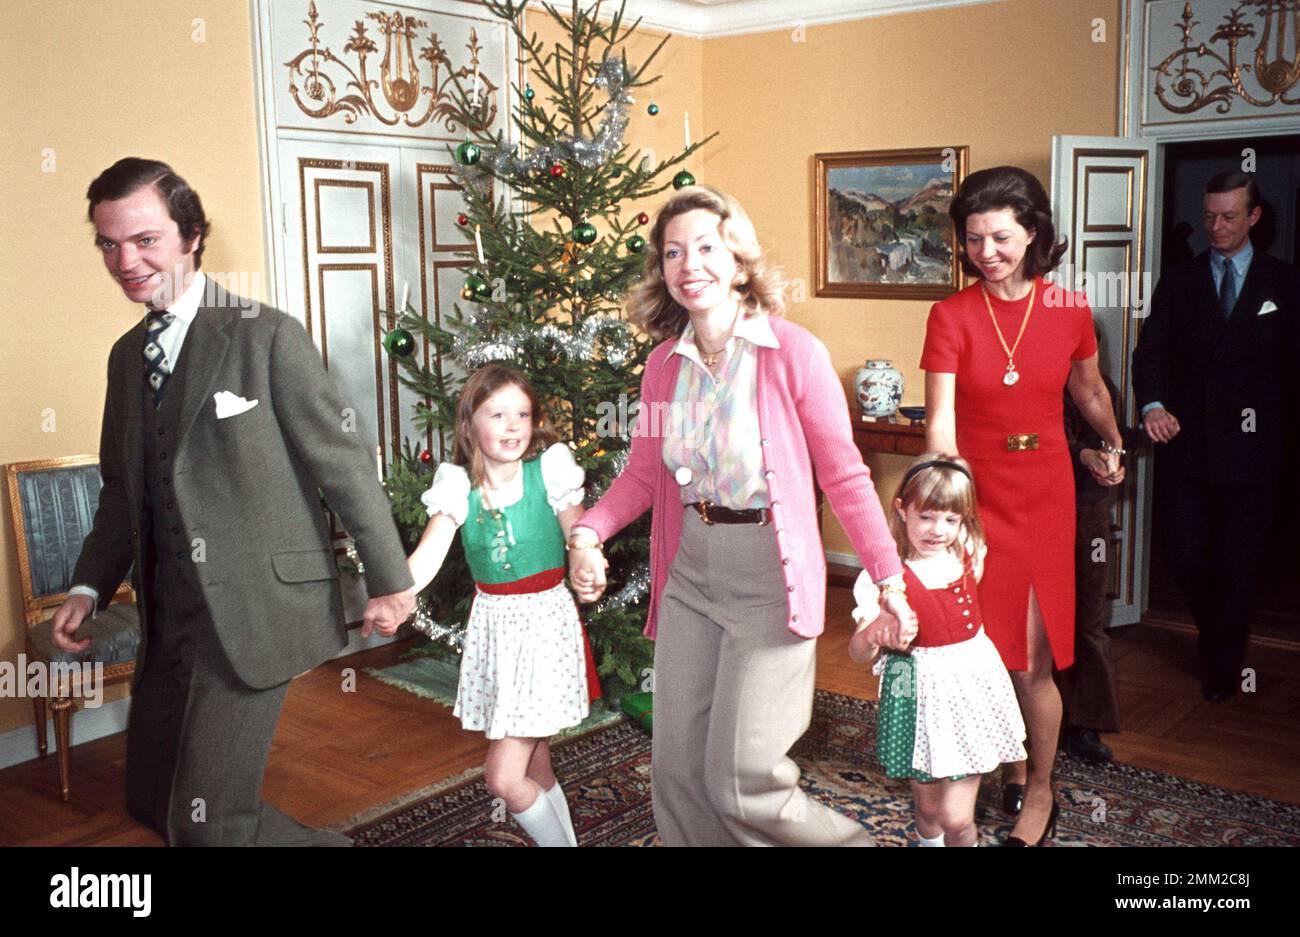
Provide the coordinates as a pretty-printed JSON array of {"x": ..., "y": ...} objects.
[{"x": 1012, "y": 374}]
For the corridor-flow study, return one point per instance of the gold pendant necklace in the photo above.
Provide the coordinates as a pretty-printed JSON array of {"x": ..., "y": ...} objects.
[
  {"x": 1012, "y": 374},
  {"x": 710, "y": 358}
]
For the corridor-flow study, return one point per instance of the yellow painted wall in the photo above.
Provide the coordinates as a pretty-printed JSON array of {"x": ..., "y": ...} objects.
[
  {"x": 93, "y": 85},
  {"x": 1002, "y": 78},
  {"x": 138, "y": 83},
  {"x": 678, "y": 92}
]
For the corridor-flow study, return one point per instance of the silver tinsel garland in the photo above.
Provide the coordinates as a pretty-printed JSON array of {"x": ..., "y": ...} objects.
[
  {"x": 453, "y": 635},
  {"x": 610, "y": 336},
  {"x": 597, "y": 151},
  {"x": 635, "y": 589}
]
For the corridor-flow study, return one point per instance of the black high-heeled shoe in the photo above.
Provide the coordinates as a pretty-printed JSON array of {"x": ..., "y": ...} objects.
[
  {"x": 1049, "y": 831},
  {"x": 1013, "y": 798}
]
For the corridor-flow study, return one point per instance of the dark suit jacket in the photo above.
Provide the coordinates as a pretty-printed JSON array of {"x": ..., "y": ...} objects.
[
  {"x": 248, "y": 486},
  {"x": 1209, "y": 371}
]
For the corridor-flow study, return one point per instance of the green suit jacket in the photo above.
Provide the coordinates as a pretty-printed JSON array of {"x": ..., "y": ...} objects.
[{"x": 247, "y": 489}]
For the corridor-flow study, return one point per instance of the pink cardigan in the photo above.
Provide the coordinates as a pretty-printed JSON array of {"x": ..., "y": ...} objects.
[{"x": 801, "y": 412}]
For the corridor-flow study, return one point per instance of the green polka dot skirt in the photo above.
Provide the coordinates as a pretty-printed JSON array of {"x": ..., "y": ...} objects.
[{"x": 896, "y": 724}]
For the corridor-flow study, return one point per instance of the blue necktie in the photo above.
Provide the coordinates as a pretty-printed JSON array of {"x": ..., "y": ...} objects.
[
  {"x": 1228, "y": 288},
  {"x": 155, "y": 358}
]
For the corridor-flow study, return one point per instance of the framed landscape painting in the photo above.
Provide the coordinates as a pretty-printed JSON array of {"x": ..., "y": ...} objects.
[{"x": 882, "y": 225}]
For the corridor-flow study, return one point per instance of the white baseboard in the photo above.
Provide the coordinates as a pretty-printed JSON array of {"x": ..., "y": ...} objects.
[
  {"x": 844, "y": 559},
  {"x": 19, "y": 745}
]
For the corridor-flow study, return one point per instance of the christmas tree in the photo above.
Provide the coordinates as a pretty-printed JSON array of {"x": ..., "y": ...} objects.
[{"x": 555, "y": 247}]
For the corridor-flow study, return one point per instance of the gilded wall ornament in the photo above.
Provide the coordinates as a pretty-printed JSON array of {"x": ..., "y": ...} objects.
[
  {"x": 1193, "y": 69},
  {"x": 394, "y": 98}
]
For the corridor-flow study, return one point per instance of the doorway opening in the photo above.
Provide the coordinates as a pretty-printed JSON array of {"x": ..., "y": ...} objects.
[{"x": 1187, "y": 168}]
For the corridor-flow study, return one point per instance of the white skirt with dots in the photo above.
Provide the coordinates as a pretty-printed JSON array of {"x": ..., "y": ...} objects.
[{"x": 523, "y": 669}]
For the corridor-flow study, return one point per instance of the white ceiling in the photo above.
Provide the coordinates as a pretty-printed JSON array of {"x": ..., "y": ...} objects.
[{"x": 705, "y": 19}]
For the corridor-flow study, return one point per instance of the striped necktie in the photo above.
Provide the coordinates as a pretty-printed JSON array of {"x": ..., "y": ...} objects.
[{"x": 155, "y": 358}]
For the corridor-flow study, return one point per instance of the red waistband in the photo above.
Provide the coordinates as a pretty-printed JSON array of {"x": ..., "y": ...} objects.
[{"x": 538, "y": 582}]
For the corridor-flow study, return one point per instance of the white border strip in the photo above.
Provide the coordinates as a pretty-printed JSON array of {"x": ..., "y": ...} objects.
[{"x": 738, "y": 17}]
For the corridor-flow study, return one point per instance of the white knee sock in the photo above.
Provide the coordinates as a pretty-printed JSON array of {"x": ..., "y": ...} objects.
[
  {"x": 936, "y": 841},
  {"x": 542, "y": 823},
  {"x": 556, "y": 796}
]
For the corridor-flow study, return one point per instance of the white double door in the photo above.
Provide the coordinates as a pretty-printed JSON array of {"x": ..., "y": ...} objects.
[{"x": 360, "y": 227}]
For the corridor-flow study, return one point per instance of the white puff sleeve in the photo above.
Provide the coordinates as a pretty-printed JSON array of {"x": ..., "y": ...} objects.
[
  {"x": 978, "y": 564},
  {"x": 563, "y": 477},
  {"x": 866, "y": 595},
  {"x": 449, "y": 493}
]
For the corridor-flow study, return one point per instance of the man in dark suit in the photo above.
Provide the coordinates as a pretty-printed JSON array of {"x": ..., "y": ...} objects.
[
  {"x": 1212, "y": 375},
  {"x": 221, "y": 428}
]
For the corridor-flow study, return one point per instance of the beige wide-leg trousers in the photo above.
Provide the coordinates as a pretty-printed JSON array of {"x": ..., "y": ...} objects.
[{"x": 733, "y": 693}]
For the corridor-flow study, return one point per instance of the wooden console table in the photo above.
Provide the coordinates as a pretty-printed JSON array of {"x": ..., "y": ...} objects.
[{"x": 897, "y": 438}]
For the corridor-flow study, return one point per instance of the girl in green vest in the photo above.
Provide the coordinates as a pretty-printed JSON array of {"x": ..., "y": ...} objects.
[{"x": 525, "y": 672}]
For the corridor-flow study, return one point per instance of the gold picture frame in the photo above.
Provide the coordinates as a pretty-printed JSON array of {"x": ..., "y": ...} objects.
[{"x": 882, "y": 225}]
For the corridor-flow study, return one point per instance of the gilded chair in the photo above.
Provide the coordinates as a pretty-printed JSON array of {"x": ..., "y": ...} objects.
[{"x": 52, "y": 503}]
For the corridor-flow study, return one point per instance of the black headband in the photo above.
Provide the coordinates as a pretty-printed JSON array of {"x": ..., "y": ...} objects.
[{"x": 933, "y": 463}]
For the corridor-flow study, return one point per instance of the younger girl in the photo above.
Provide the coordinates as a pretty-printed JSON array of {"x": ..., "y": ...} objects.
[
  {"x": 524, "y": 671},
  {"x": 948, "y": 712}
]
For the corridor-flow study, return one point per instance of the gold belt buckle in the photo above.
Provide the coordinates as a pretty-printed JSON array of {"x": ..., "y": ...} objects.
[
  {"x": 1022, "y": 442},
  {"x": 704, "y": 512}
]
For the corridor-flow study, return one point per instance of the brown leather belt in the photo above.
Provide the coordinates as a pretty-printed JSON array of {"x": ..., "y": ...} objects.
[
  {"x": 1022, "y": 442},
  {"x": 711, "y": 513}
]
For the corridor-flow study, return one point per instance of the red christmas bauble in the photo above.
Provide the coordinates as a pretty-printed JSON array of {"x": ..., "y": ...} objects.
[
  {"x": 426, "y": 456},
  {"x": 557, "y": 169},
  {"x": 643, "y": 218},
  {"x": 462, "y": 220}
]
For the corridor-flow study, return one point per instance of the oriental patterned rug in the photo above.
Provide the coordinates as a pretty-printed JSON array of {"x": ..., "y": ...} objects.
[{"x": 606, "y": 773}]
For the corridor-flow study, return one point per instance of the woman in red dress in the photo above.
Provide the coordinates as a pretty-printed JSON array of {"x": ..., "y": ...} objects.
[{"x": 997, "y": 356}]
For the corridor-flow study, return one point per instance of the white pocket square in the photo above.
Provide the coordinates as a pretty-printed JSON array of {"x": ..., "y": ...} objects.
[
  {"x": 229, "y": 404},
  {"x": 1269, "y": 306}
]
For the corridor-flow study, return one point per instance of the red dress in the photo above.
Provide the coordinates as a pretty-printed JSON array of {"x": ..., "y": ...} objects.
[{"x": 1025, "y": 498}]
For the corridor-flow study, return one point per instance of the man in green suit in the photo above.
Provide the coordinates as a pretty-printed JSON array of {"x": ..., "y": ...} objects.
[{"x": 221, "y": 428}]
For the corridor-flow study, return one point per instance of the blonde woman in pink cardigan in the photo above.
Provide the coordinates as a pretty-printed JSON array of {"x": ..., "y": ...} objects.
[{"x": 738, "y": 409}]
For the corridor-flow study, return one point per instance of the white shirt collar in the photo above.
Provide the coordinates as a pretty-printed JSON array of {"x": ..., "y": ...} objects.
[
  {"x": 187, "y": 306},
  {"x": 755, "y": 329}
]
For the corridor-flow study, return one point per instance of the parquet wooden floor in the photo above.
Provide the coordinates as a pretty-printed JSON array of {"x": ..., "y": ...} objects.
[{"x": 337, "y": 753}]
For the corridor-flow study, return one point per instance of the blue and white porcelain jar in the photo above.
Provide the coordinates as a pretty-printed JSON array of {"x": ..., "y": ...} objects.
[{"x": 879, "y": 387}]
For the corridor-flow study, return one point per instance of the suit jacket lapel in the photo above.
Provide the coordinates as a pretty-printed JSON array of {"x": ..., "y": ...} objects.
[
  {"x": 132, "y": 381},
  {"x": 1248, "y": 300},
  {"x": 202, "y": 354},
  {"x": 1215, "y": 321}
]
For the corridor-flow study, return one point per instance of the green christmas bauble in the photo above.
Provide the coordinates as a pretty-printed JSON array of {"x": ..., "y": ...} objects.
[
  {"x": 475, "y": 288},
  {"x": 529, "y": 93},
  {"x": 615, "y": 171},
  {"x": 467, "y": 153},
  {"x": 653, "y": 109},
  {"x": 636, "y": 243},
  {"x": 585, "y": 233},
  {"x": 683, "y": 179},
  {"x": 399, "y": 343}
]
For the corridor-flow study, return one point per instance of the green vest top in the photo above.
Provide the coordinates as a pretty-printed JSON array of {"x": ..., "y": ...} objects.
[{"x": 524, "y": 541}]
